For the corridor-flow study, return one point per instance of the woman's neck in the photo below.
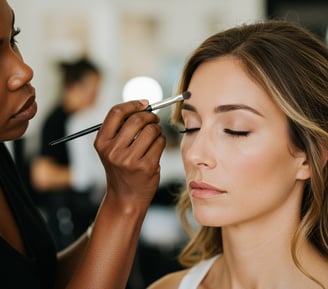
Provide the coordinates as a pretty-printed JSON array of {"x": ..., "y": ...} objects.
[
  {"x": 260, "y": 256},
  {"x": 252, "y": 262}
]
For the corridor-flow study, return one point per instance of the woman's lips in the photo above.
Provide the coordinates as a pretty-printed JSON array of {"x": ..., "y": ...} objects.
[
  {"x": 201, "y": 190},
  {"x": 27, "y": 111}
]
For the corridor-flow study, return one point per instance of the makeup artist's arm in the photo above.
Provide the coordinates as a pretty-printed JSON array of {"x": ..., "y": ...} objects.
[{"x": 129, "y": 144}]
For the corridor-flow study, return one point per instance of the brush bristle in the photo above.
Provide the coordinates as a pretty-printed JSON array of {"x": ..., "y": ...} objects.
[{"x": 186, "y": 95}]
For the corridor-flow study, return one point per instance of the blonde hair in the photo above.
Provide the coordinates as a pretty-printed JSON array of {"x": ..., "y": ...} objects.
[{"x": 291, "y": 64}]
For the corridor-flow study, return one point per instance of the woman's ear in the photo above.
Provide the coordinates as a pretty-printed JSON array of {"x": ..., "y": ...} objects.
[{"x": 303, "y": 167}]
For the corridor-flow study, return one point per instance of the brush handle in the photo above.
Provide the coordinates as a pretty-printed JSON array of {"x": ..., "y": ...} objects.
[
  {"x": 152, "y": 107},
  {"x": 76, "y": 135}
]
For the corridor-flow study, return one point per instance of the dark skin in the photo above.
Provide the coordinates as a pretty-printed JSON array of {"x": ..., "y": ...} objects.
[{"x": 131, "y": 165}]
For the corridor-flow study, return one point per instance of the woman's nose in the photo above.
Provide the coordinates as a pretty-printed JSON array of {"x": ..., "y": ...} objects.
[
  {"x": 21, "y": 73},
  {"x": 199, "y": 152}
]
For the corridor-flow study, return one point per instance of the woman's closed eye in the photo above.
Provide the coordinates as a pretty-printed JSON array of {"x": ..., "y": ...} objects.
[
  {"x": 236, "y": 133},
  {"x": 189, "y": 130}
]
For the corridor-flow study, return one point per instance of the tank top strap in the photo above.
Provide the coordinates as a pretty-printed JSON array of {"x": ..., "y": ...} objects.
[{"x": 196, "y": 274}]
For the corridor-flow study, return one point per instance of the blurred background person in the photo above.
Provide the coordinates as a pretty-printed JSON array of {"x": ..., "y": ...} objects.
[
  {"x": 67, "y": 210},
  {"x": 87, "y": 174}
]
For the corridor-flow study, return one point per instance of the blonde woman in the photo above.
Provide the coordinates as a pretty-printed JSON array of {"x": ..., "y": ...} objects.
[{"x": 255, "y": 149}]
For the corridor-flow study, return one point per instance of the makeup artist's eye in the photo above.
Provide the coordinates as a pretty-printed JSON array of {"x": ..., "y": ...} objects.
[
  {"x": 13, "y": 40},
  {"x": 236, "y": 133},
  {"x": 189, "y": 130}
]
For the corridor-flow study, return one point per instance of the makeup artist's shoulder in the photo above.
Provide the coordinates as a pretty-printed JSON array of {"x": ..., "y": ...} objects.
[{"x": 171, "y": 280}]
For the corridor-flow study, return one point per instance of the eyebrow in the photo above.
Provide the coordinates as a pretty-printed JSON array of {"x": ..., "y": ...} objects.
[{"x": 224, "y": 108}]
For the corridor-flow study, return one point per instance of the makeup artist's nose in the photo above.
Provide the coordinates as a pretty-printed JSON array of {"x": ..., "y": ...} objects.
[
  {"x": 21, "y": 73},
  {"x": 199, "y": 152}
]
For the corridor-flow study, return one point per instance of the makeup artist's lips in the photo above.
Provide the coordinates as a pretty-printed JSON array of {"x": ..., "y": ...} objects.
[
  {"x": 27, "y": 111},
  {"x": 201, "y": 190}
]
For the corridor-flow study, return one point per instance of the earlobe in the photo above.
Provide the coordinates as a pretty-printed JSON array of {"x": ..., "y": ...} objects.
[
  {"x": 303, "y": 174},
  {"x": 304, "y": 169}
]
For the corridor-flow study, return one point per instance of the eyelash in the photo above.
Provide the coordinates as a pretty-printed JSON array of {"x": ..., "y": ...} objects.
[
  {"x": 236, "y": 133},
  {"x": 233, "y": 133},
  {"x": 13, "y": 41},
  {"x": 189, "y": 130}
]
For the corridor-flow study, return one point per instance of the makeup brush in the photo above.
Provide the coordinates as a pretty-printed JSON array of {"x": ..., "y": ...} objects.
[{"x": 151, "y": 107}]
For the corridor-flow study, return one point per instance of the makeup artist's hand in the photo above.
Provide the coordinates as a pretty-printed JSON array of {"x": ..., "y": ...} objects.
[{"x": 130, "y": 143}]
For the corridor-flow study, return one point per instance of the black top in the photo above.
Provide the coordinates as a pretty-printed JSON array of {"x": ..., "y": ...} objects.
[
  {"x": 37, "y": 269},
  {"x": 55, "y": 128}
]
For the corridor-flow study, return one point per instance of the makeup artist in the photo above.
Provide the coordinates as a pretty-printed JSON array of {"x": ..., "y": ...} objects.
[
  {"x": 68, "y": 211},
  {"x": 102, "y": 257},
  {"x": 255, "y": 150}
]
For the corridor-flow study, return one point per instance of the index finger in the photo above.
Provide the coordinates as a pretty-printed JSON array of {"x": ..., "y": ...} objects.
[{"x": 118, "y": 113}]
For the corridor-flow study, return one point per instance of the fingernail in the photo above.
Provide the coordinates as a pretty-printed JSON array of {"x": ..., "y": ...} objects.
[{"x": 144, "y": 101}]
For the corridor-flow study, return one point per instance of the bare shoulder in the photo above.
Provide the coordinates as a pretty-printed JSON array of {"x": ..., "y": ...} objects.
[{"x": 171, "y": 280}]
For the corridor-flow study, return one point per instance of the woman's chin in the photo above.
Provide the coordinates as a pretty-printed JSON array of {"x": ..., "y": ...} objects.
[{"x": 15, "y": 133}]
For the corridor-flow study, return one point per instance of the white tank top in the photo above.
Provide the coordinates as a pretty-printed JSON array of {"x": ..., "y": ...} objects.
[{"x": 196, "y": 274}]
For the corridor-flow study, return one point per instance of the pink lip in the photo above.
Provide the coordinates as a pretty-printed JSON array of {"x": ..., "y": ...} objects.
[
  {"x": 27, "y": 111},
  {"x": 201, "y": 190}
]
